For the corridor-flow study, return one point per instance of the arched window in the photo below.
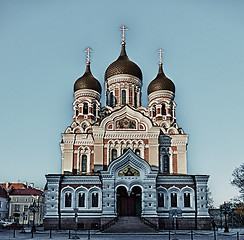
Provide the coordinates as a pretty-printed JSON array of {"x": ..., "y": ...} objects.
[
  {"x": 165, "y": 164},
  {"x": 123, "y": 97},
  {"x": 84, "y": 163},
  {"x": 114, "y": 154},
  {"x": 94, "y": 199},
  {"x": 160, "y": 200},
  {"x": 135, "y": 99},
  {"x": 76, "y": 111},
  {"x": 187, "y": 200},
  {"x": 94, "y": 109},
  {"x": 81, "y": 200},
  {"x": 124, "y": 150},
  {"x": 111, "y": 99},
  {"x": 173, "y": 199},
  {"x": 154, "y": 111},
  {"x": 163, "y": 110},
  {"x": 138, "y": 152},
  {"x": 85, "y": 108},
  {"x": 68, "y": 197}
]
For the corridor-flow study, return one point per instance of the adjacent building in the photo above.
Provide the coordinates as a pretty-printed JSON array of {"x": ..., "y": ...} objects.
[
  {"x": 21, "y": 203},
  {"x": 4, "y": 199},
  {"x": 124, "y": 159}
]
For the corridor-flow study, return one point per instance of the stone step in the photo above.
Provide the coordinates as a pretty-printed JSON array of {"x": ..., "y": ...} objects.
[{"x": 129, "y": 225}]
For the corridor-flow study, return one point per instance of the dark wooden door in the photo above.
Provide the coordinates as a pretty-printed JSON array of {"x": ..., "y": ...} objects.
[{"x": 128, "y": 206}]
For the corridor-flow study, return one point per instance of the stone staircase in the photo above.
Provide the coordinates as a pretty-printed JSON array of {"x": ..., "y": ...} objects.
[{"x": 129, "y": 224}]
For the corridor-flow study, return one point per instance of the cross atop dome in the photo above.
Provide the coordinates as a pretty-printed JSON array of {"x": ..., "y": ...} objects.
[
  {"x": 161, "y": 52},
  {"x": 88, "y": 51},
  {"x": 123, "y": 29}
]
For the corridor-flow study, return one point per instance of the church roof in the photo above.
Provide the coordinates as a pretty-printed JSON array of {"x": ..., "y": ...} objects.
[
  {"x": 87, "y": 81},
  {"x": 123, "y": 65},
  {"x": 161, "y": 82}
]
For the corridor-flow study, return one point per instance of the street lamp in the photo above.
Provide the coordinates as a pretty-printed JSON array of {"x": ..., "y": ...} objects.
[
  {"x": 34, "y": 208},
  {"x": 225, "y": 209},
  {"x": 76, "y": 223}
]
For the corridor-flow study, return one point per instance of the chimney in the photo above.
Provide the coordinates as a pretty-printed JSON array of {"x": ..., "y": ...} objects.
[
  {"x": 7, "y": 185},
  {"x": 32, "y": 185},
  {"x": 25, "y": 183}
]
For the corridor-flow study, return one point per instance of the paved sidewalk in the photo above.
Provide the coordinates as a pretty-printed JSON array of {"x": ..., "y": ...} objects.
[{"x": 163, "y": 235}]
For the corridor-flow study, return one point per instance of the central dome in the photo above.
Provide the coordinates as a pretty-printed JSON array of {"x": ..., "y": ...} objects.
[{"x": 123, "y": 65}]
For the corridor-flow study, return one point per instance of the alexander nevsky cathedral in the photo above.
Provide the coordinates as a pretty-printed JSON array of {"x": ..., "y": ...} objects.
[{"x": 123, "y": 159}]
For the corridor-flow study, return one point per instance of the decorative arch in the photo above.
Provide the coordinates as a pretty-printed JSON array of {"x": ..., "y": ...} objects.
[
  {"x": 94, "y": 195},
  {"x": 67, "y": 197}
]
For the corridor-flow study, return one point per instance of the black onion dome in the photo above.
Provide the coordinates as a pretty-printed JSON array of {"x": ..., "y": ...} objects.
[
  {"x": 123, "y": 65},
  {"x": 161, "y": 82},
  {"x": 87, "y": 81}
]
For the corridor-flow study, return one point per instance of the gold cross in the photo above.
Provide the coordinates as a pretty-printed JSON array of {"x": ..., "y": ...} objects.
[
  {"x": 123, "y": 29},
  {"x": 161, "y": 52},
  {"x": 88, "y": 51}
]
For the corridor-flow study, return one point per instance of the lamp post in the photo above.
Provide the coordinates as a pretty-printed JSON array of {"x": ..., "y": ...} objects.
[
  {"x": 34, "y": 208},
  {"x": 225, "y": 209},
  {"x": 76, "y": 223}
]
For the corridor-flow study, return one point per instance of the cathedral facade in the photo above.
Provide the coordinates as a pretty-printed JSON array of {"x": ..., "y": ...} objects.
[{"x": 124, "y": 159}]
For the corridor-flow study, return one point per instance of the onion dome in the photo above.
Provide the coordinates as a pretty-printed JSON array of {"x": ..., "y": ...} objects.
[
  {"x": 161, "y": 82},
  {"x": 123, "y": 65},
  {"x": 87, "y": 81}
]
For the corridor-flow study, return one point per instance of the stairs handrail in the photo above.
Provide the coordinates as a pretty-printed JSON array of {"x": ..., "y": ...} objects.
[
  {"x": 149, "y": 223},
  {"x": 108, "y": 224}
]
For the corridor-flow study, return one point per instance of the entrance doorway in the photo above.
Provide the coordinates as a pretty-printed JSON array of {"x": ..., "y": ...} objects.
[{"x": 129, "y": 205}]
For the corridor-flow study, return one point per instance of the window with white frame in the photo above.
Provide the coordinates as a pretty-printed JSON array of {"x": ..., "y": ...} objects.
[
  {"x": 113, "y": 154},
  {"x": 84, "y": 163},
  {"x": 160, "y": 199},
  {"x": 187, "y": 199},
  {"x": 17, "y": 208},
  {"x": 85, "y": 108},
  {"x": 165, "y": 163},
  {"x": 68, "y": 199},
  {"x": 173, "y": 199},
  {"x": 95, "y": 199},
  {"x": 81, "y": 199}
]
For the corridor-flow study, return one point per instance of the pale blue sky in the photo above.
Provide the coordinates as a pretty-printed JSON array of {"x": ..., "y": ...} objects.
[{"x": 42, "y": 54}]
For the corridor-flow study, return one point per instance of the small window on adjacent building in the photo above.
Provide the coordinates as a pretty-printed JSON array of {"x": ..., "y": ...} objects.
[
  {"x": 114, "y": 154},
  {"x": 81, "y": 202},
  {"x": 123, "y": 97},
  {"x": 17, "y": 200},
  {"x": 160, "y": 200},
  {"x": 173, "y": 199},
  {"x": 84, "y": 163},
  {"x": 85, "y": 108},
  {"x": 94, "y": 199},
  {"x": 0, "y": 204},
  {"x": 26, "y": 208},
  {"x": 68, "y": 196},
  {"x": 187, "y": 200},
  {"x": 17, "y": 208}
]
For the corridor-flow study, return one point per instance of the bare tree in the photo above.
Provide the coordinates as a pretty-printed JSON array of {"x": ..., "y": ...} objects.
[{"x": 238, "y": 179}]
